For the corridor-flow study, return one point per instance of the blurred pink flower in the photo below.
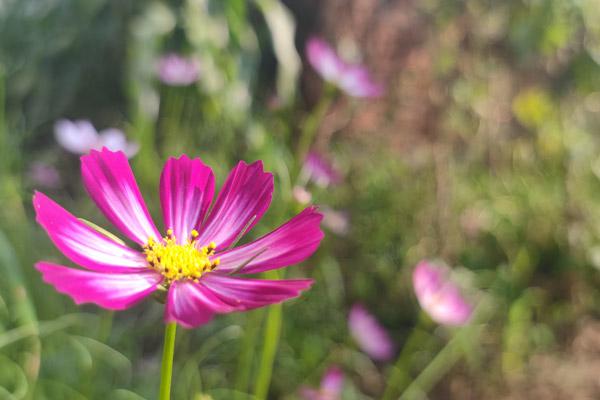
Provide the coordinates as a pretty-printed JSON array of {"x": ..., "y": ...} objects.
[
  {"x": 438, "y": 296},
  {"x": 79, "y": 137},
  {"x": 336, "y": 221},
  {"x": 319, "y": 170},
  {"x": 352, "y": 79},
  {"x": 192, "y": 264},
  {"x": 301, "y": 195},
  {"x": 43, "y": 174},
  {"x": 331, "y": 386},
  {"x": 369, "y": 334},
  {"x": 177, "y": 70}
]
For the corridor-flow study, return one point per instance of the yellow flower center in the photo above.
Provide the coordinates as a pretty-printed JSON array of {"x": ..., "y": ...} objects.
[{"x": 180, "y": 261}]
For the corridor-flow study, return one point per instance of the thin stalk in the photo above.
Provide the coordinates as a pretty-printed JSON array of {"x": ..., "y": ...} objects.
[
  {"x": 436, "y": 369},
  {"x": 313, "y": 121},
  {"x": 270, "y": 345},
  {"x": 174, "y": 102},
  {"x": 400, "y": 375},
  {"x": 247, "y": 354},
  {"x": 167, "y": 362}
]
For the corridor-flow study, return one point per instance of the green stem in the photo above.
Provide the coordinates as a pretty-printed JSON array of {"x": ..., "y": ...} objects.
[
  {"x": 270, "y": 344},
  {"x": 400, "y": 376},
  {"x": 247, "y": 354},
  {"x": 167, "y": 362},
  {"x": 312, "y": 122},
  {"x": 173, "y": 103},
  {"x": 436, "y": 369}
]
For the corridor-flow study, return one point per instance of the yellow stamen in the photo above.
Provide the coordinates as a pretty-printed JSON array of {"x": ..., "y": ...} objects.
[{"x": 180, "y": 261}]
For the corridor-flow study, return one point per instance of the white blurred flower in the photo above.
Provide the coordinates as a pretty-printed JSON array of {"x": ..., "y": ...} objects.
[{"x": 80, "y": 136}]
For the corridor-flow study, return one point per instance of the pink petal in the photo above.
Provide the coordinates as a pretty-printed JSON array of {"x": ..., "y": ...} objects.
[
  {"x": 246, "y": 194},
  {"x": 332, "y": 382},
  {"x": 289, "y": 244},
  {"x": 439, "y": 296},
  {"x": 108, "y": 179},
  {"x": 114, "y": 140},
  {"x": 177, "y": 70},
  {"x": 112, "y": 291},
  {"x": 191, "y": 304},
  {"x": 186, "y": 191},
  {"x": 320, "y": 170},
  {"x": 78, "y": 137},
  {"x": 369, "y": 334},
  {"x": 82, "y": 244},
  {"x": 324, "y": 59},
  {"x": 356, "y": 81},
  {"x": 246, "y": 294}
]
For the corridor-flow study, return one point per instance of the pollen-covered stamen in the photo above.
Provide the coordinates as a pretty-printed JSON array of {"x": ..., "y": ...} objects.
[{"x": 180, "y": 261}]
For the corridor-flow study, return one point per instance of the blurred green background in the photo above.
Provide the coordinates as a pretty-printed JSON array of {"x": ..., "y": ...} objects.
[{"x": 484, "y": 152}]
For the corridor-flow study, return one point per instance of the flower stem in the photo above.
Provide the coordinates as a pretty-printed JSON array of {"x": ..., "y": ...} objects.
[
  {"x": 270, "y": 345},
  {"x": 312, "y": 122},
  {"x": 167, "y": 362},
  {"x": 400, "y": 375}
]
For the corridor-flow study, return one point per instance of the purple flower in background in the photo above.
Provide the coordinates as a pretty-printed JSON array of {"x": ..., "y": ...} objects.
[
  {"x": 438, "y": 296},
  {"x": 319, "y": 170},
  {"x": 193, "y": 263},
  {"x": 352, "y": 79},
  {"x": 331, "y": 386},
  {"x": 44, "y": 174},
  {"x": 177, "y": 70},
  {"x": 369, "y": 334},
  {"x": 80, "y": 137}
]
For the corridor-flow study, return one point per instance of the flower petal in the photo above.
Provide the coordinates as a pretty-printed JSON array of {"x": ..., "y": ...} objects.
[
  {"x": 114, "y": 140},
  {"x": 324, "y": 59},
  {"x": 246, "y": 294},
  {"x": 332, "y": 382},
  {"x": 246, "y": 194},
  {"x": 108, "y": 179},
  {"x": 356, "y": 81},
  {"x": 186, "y": 191},
  {"x": 112, "y": 291},
  {"x": 289, "y": 244},
  {"x": 191, "y": 304},
  {"x": 82, "y": 244},
  {"x": 369, "y": 334},
  {"x": 78, "y": 137},
  {"x": 439, "y": 296}
]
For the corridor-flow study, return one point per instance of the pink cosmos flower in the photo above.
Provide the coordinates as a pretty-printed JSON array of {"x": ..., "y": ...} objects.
[
  {"x": 331, "y": 386},
  {"x": 79, "y": 137},
  {"x": 438, "y": 296},
  {"x": 177, "y": 70},
  {"x": 320, "y": 170},
  {"x": 352, "y": 79},
  {"x": 369, "y": 334},
  {"x": 193, "y": 263}
]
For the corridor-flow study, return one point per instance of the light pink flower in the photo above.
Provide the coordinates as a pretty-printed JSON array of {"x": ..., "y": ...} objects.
[
  {"x": 79, "y": 137},
  {"x": 44, "y": 174},
  {"x": 177, "y": 70},
  {"x": 320, "y": 170},
  {"x": 331, "y": 386},
  {"x": 336, "y": 221},
  {"x": 192, "y": 263},
  {"x": 369, "y": 334},
  {"x": 438, "y": 296},
  {"x": 352, "y": 79}
]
